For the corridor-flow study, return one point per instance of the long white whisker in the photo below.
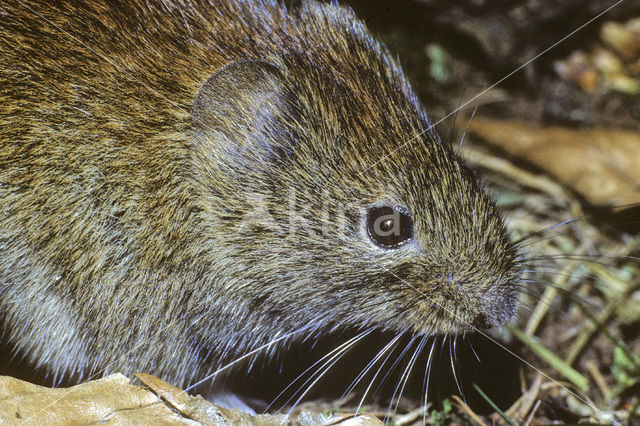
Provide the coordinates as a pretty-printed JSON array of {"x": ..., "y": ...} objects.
[
  {"x": 404, "y": 379},
  {"x": 323, "y": 370},
  {"x": 454, "y": 362},
  {"x": 245, "y": 356},
  {"x": 397, "y": 361},
  {"x": 369, "y": 365},
  {"x": 426, "y": 379},
  {"x": 395, "y": 364},
  {"x": 475, "y": 354},
  {"x": 466, "y": 129},
  {"x": 342, "y": 347},
  {"x": 386, "y": 350}
]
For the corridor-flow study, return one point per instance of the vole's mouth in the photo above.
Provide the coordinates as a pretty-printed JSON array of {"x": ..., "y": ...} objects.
[
  {"x": 491, "y": 315},
  {"x": 482, "y": 321},
  {"x": 444, "y": 323}
]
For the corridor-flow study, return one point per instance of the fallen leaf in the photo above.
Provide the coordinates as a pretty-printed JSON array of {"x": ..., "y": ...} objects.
[
  {"x": 113, "y": 400},
  {"x": 602, "y": 165}
]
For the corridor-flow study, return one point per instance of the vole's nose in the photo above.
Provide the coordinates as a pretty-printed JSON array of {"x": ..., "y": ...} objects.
[
  {"x": 482, "y": 322},
  {"x": 450, "y": 278}
]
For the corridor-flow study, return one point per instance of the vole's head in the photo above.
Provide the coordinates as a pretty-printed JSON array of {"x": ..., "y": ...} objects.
[{"x": 336, "y": 205}]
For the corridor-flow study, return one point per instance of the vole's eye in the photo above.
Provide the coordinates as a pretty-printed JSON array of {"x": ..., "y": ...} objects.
[{"x": 389, "y": 227}]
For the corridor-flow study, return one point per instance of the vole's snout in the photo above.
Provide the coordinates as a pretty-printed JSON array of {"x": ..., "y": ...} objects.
[{"x": 470, "y": 303}]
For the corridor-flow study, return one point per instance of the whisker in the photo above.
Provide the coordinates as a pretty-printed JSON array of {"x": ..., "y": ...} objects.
[
  {"x": 404, "y": 378},
  {"x": 526, "y": 307},
  {"x": 431, "y": 126},
  {"x": 529, "y": 292},
  {"x": 342, "y": 347},
  {"x": 398, "y": 359},
  {"x": 393, "y": 367},
  {"x": 466, "y": 129},
  {"x": 370, "y": 365},
  {"x": 575, "y": 219},
  {"x": 454, "y": 363},
  {"x": 527, "y": 237},
  {"x": 251, "y": 353},
  {"x": 583, "y": 257},
  {"x": 559, "y": 271},
  {"x": 425, "y": 381},
  {"x": 547, "y": 237},
  {"x": 385, "y": 349},
  {"x": 576, "y": 298},
  {"x": 473, "y": 350},
  {"x": 331, "y": 358}
]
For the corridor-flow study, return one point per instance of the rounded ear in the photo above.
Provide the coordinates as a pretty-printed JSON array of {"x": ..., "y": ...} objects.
[{"x": 239, "y": 114}]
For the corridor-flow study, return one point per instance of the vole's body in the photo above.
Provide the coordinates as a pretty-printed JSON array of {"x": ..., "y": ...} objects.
[{"x": 136, "y": 142}]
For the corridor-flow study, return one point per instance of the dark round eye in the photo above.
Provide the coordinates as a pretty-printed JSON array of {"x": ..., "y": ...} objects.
[{"x": 389, "y": 227}]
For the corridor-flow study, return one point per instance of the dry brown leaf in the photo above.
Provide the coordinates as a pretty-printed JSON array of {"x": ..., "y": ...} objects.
[
  {"x": 113, "y": 400},
  {"x": 603, "y": 165}
]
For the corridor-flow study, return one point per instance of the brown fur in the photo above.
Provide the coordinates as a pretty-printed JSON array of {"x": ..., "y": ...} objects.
[{"x": 126, "y": 180}]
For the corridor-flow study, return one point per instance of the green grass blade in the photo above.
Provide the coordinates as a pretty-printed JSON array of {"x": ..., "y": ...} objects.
[
  {"x": 494, "y": 406},
  {"x": 552, "y": 359}
]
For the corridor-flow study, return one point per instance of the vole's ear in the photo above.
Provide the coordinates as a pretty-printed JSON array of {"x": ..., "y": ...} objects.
[{"x": 240, "y": 115}]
